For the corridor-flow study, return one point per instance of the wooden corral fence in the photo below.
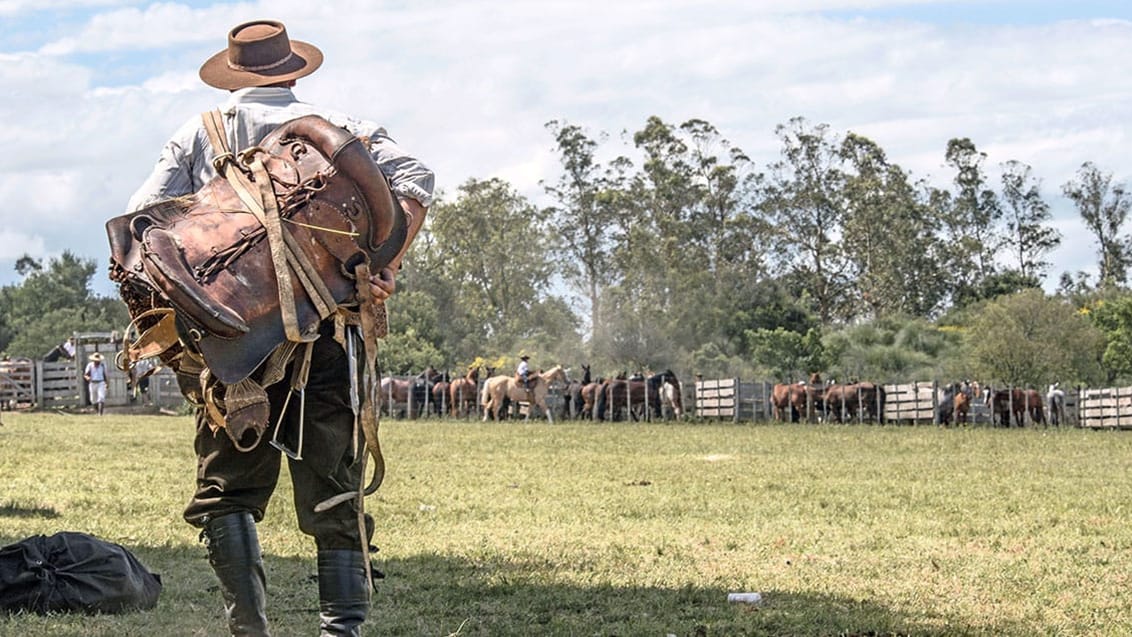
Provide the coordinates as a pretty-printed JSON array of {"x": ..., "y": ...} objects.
[
  {"x": 1107, "y": 408},
  {"x": 26, "y": 383},
  {"x": 916, "y": 402},
  {"x": 732, "y": 399}
]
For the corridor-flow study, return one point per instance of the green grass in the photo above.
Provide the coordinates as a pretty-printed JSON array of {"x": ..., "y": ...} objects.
[{"x": 630, "y": 529}]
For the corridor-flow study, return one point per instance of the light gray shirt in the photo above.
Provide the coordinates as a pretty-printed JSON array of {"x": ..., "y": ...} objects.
[{"x": 185, "y": 164}]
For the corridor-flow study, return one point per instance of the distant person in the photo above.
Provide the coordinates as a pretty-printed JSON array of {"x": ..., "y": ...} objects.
[
  {"x": 523, "y": 372},
  {"x": 95, "y": 376},
  {"x": 69, "y": 348}
]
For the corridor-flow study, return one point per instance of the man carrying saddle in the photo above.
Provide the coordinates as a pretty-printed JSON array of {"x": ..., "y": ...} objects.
[{"x": 319, "y": 432}]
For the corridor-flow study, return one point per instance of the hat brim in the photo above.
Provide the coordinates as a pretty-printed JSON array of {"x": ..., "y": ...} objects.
[{"x": 305, "y": 59}]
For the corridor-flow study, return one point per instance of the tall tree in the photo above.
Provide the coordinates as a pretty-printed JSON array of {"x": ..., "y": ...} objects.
[
  {"x": 1026, "y": 214},
  {"x": 1104, "y": 207},
  {"x": 890, "y": 238},
  {"x": 688, "y": 256},
  {"x": 491, "y": 248},
  {"x": 588, "y": 198},
  {"x": 972, "y": 217},
  {"x": 805, "y": 198}
]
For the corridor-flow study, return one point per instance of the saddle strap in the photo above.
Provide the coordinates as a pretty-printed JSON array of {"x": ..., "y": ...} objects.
[{"x": 259, "y": 197}]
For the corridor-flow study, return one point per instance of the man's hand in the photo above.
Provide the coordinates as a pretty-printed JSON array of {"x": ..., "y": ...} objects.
[{"x": 383, "y": 284}]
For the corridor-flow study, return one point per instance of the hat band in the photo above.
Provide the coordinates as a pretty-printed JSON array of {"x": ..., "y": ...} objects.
[{"x": 263, "y": 67}]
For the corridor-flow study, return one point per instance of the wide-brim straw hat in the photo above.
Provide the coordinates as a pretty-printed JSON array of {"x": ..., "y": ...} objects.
[
  {"x": 259, "y": 53},
  {"x": 96, "y": 357}
]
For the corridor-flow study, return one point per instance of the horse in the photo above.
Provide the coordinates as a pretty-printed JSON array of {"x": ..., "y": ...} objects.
[
  {"x": 462, "y": 393},
  {"x": 800, "y": 398},
  {"x": 861, "y": 400},
  {"x": 414, "y": 392},
  {"x": 589, "y": 393},
  {"x": 439, "y": 394},
  {"x": 1055, "y": 396},
  {"x": 572, "y": 402},
  {"x": 638, "y": 397},
  {"x": 1033, "y": 404},
  {"x": 57, "y": 352},
  {"x": 1003, "y": 403},
  {"x": 498, "y": 388},
  {"x": 671, "y": 394}
]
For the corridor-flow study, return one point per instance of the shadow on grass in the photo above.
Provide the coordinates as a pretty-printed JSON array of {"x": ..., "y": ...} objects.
[
  {"x": 435, "y": 595},
  {"x": 12, "y": 510}
]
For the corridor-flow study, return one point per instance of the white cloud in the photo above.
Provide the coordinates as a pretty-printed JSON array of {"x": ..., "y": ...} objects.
[{"x": 469, "y": 86}]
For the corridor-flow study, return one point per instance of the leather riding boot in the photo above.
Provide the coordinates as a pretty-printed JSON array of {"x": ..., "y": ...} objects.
[
  {"x": 343, "y": 592},
  {"x": 234, "y": 553}
]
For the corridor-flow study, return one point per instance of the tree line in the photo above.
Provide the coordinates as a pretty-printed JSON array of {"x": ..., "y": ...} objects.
[{"x": 675, "y": 250}]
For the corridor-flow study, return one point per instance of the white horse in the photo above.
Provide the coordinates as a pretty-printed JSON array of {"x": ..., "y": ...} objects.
[
  {"x": 499, "y": 387},
  {"x": 670, "y": 395},
  {"x": 1055, "y": 398}
]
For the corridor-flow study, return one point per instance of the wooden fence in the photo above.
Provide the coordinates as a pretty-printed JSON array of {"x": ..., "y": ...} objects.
[
  {"x": 1107, "y": 408},
  {"x": 25, "y": 383},
  {"x": 916, "y": 402}
]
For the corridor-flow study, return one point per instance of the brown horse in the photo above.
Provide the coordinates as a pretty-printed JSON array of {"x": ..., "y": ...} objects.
[
  {"x": 498, "y": 388},
  {"x": 573, "y": 405},
  {"x": 1003, "y": 402},
  {"x": 589, "y": 393},
  {"x": 1034, "y": 405},
  {"x": 800, "y": 399},
  {"x": 462, "y": 393},
  {"x": 864, "y": 401},
  {"x": 415, "y": 393},
  {"x": 637, "y": 397}
]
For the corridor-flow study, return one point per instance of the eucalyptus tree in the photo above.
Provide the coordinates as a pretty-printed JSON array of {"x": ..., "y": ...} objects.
[
  {"x": 890, "y": 239},
  {"x": 972, "y": 216},
  {"x": 690, "y": 250},
  {"x": 804, "y": 197},
  {"x": 1025, "y": 211},
  {"x": 1104, "y": 206},
  {"x": 588, "y": 200},
  {"x": 490, "y": 247}
]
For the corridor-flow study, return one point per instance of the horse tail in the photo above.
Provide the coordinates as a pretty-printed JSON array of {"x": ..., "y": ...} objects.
[{"x": 600, "y": 407}]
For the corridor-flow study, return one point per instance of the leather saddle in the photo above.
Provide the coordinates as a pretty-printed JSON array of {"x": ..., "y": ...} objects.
[{"x": 262, "y": 256}]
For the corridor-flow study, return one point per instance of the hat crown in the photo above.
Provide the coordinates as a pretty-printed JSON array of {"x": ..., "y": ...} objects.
[{"x": 258, "y": 46}]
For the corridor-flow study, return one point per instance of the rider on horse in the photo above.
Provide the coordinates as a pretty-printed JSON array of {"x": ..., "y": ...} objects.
[{"x": 523, "y": 372}]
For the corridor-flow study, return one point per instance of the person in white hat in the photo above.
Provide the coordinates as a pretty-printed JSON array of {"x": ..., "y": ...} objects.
[
  {"x": 259, "y": 68},
  {"x": 95, "y": 377}
]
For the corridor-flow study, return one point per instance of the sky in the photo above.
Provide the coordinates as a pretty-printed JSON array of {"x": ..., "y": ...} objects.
[{"x": 91, "y": 89}]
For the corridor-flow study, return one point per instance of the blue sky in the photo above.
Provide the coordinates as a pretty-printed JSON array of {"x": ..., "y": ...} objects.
[{"x": 469, "y": 86}]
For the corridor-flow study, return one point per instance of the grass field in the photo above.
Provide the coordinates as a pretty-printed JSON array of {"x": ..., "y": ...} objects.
[{"x": 632, "y": 529}]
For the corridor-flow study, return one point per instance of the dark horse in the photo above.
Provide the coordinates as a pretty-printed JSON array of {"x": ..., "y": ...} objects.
[
  {"x": 573, "y": 403},
  {"x": 415, "y": 393},
  {"x": 955, "y": 402},
  {"x": 864, "y": 401},
  {"x": 1003, "y": 403},
  {"x": 634, "y": 396}
]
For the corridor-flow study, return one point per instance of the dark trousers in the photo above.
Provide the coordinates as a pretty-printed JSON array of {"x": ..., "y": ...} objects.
[{"x": 231, "y": 481}]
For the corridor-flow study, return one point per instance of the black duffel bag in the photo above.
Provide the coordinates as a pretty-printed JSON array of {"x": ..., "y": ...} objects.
[{"x": 74, "y": 572}]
